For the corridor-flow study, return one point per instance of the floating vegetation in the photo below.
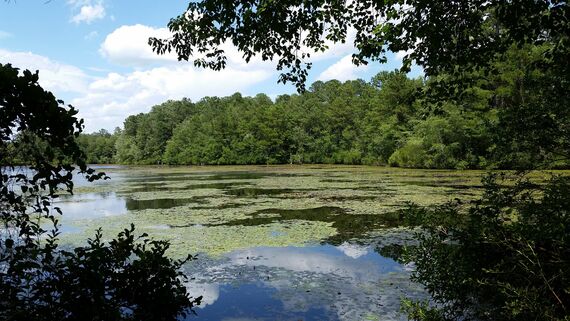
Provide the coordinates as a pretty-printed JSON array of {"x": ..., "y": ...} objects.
[
  {"x": 255, "y": 192},
  {"x": 352, "y": 201},
  {"x": 214, "y": 240},
  {"x": 319, "y": 241},
  {"x": 153, "y": 187}
]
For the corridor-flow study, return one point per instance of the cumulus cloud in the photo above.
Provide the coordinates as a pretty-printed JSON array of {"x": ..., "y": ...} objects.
[
  {"x": 401, "y": 54},
  {"x": 89, "y": 12},
  {"x": 54, "y": 76},
  {"x": 128, "y": 45},
  {"x": 336, "y": 50},
  {"x": 342, "y": 70}
]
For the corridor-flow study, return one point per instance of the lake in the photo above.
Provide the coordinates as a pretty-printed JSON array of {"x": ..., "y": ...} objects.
[{"x": 274, "y": 242}]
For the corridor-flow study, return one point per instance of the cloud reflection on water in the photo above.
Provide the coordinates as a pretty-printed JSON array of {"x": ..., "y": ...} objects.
[{"x": 348, "y": 282}]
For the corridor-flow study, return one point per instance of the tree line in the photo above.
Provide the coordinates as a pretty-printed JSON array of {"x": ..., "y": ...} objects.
[{"x": 390, "y": 120}]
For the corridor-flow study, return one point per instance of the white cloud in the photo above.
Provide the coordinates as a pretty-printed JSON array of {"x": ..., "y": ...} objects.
[
  {"x": 54, "y": 76},
  {"x": 89, "y": 12},
  {"x": 342, "y": 70},
  {"x": 128, "y": 45},
  {"x": 335, "y": 50},
  {"x": 401, "y": 54}
]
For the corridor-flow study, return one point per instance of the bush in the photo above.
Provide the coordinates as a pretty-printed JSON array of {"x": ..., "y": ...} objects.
[
  {"x": 506, "y": 258},
  {"x": 412, "y": 154},
  {"x": 127, "y": 279}
]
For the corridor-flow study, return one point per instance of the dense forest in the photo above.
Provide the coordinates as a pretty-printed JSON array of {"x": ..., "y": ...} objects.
[{"x": 390, "y": 120}]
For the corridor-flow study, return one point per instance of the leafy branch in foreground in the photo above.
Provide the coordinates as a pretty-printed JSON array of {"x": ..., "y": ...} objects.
[
  {"x": 127, "y": 279},
  {"x": 440, "y": 36},
  {"x": 506, "y": 258}
]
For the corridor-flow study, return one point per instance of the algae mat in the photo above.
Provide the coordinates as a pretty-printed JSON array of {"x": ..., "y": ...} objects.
[
  {"x": 274, "y": 242},
  {"x": 216, "y": 210}
]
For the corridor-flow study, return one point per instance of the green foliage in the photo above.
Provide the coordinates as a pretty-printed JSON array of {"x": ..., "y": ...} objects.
[
  {"x": 506, "y": 258},
  {"x": 529, "y": 99},
  {"x": 412, "y": 154},
  {"x": 144, "y": 138},
  {"x": 127, "y": 279},
  {"x": 99, "y": 147},
  {"x": 381, "y": 122},
  {"x": 387, "y": 121},
  {"x": 451, "y": 139},
  {"x": 441, "y": 36},
  {"x": 320, "y": 126}
]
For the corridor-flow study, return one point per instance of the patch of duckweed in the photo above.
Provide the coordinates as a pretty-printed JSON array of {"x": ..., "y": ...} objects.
[
  {"x": 167, "y": 200},
  {"x": 237, "y": 175},
  {"x": 93, "y": 188},
  {"x": 348, "y": 225},
  {"x": 255, "y": 192},
  {"x": 214, "y": 240},
  {"x": 267, "y": 216},
  {"x": 183, "y": 186}
]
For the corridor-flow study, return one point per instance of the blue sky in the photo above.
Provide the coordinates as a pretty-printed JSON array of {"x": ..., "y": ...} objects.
[{"x": 93, "y": 54}]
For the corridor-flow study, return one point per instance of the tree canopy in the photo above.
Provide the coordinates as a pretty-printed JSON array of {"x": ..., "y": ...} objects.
[
  {"x": 390, "y": 120},
  {"x": 355, "y": 122},
  {"x": 440, "y": 36}
]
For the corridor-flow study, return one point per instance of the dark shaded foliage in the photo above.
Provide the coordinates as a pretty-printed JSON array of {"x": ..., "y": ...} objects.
[
  {"x": 441, "y": 36},
  {"x": 507, "y": 258},
  {"x": 126, "y": 279},
  {"x": 99, "y": 147}
]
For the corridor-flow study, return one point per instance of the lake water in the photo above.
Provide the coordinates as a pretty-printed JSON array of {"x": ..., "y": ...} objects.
[{"x": 277, "y": 242}]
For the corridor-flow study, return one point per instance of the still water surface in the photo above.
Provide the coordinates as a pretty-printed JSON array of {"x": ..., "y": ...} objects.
[{"x": 274, "y": 243}]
